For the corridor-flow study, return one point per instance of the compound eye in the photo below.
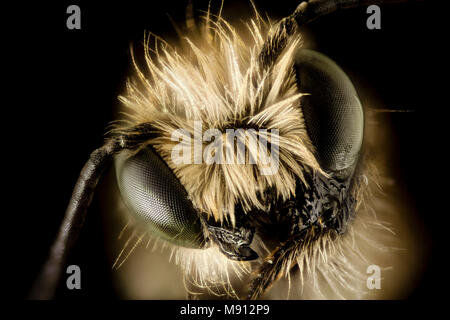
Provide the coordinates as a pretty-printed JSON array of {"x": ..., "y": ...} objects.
[
  {"x": 157, "y": 199},
  {"x": 332, "y": 110}
]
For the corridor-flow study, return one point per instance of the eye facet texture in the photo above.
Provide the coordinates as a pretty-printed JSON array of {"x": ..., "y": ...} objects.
[
  {"x": 333, "y": 112},
  {"x": 157, "y": 199}
]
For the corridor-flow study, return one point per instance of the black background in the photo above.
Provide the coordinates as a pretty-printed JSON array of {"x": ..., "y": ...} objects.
[{"x": 65, "y": 87}]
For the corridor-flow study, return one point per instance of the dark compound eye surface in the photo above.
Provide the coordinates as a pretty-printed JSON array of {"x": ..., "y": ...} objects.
[
  {"x": 157, "y": 199},
  {"x": 333, "y": 112}
]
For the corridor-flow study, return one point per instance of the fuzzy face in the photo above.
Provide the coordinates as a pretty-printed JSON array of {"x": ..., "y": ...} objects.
[{"x": 217, "y": 79}]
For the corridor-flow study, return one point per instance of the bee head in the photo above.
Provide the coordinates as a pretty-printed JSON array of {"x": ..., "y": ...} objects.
[{"x": 245, "y": 136}]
